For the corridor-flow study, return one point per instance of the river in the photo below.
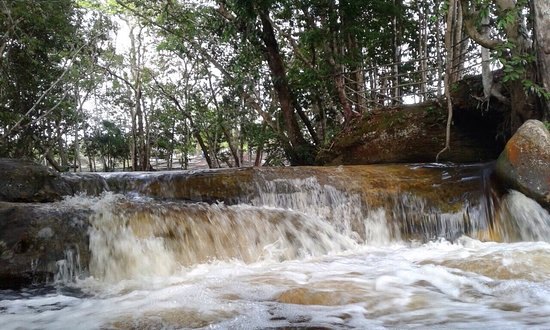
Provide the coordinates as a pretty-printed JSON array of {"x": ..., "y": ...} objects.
[{"x": 313, "y": 256}]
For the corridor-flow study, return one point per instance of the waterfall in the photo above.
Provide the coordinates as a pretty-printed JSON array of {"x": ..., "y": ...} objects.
[
  {"x": 391, "y": 246},
  {"x": 522, "y": 219},
  {"x": 68, "y": 268},
  {"x": 304, "y": 214},
  {"x": 148, "y": 238}
]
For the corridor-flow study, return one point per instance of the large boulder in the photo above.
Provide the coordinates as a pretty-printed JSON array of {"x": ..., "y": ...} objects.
[
  {"x": 39, "y": 240},
  {"x": 524, "y": 165},
  {"x": 40, "y": 234},
  {"x": 414, "y": 134},
  {"x": 25, "y": 181}
]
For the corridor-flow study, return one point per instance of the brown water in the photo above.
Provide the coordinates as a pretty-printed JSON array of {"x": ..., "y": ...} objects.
[{"x": 306, "y": 251}]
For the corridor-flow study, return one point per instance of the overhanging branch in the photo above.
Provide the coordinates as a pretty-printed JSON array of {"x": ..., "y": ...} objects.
[{"x": 472, "y": 29}]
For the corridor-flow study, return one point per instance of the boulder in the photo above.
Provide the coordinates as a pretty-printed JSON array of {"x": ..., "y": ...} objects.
[
  {"x": 25, "y": 181},
  {"x": 40, "y": 234},
  {"x": 524, "y": 165},
  {"x": 414, "y": 134},
  {"x": 39, "y": 240}
]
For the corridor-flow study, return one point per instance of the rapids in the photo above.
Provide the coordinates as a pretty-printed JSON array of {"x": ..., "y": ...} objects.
[{"x": 301, "y": 252}]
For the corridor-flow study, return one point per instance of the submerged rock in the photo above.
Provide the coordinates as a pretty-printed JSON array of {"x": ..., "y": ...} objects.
[{"x": 524, "y": 164}]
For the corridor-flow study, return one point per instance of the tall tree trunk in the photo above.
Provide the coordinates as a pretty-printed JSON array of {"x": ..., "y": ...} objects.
[
  {"x": 541, "y": 11},
  {"x": 146, "y": 140},
  {"x": 486, "y": 73},
  {"x": 61, "y": 148},
  {"x": 459, "y": 45},
  {"x": 203, "y": 146},
  {"x": 395, "y": 92},
  {"x": 142, "y": 161},
  {"x": 440, "y": 60},
  {"x": 133, "y": 143},
  {"x": 423, "y": 50},
  {"x": 523, "y": 104},
  {"x": 301, "y": 153},
  {"x": 339, "y": 81},
  {"x": 232, "y": 148}
]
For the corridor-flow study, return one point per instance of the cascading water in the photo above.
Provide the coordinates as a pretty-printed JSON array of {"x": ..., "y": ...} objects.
[
  {"x": 307, "y": 250},
  {"x": 131, "y": 239},
  {"x": 69, "y": 268}
]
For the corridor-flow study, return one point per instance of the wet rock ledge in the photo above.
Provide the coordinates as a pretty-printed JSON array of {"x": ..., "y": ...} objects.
[{"x": 37, "y": 229}]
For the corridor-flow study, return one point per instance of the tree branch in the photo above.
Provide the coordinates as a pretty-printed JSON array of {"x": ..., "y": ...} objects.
[
  {"x": 472, "y": 30},
  {"x": 46, "y": 92}
]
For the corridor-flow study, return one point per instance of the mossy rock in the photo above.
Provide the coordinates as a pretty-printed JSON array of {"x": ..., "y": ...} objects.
[
  {"x": 524, "y": 165},
  {"x": 411, "y": 134}
]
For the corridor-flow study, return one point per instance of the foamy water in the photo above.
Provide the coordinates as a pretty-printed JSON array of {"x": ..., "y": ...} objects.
[
  {"x": 313, "y": 257},
  {"x": 468, "y": 284}
]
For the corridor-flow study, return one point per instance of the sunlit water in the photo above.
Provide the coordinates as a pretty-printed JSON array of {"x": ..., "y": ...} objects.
[{"x": 302, "y": 260}]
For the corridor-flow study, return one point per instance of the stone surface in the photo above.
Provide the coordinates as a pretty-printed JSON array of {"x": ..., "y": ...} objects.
[
  {"x": 25, "y": 181},
  {"x": 524, "y": 165},
  {"x": 34, "y": 237},
  {"x": 416, "y": 133}
]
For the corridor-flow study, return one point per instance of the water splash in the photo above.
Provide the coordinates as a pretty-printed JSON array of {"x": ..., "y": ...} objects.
[
  {"x": 290, "y": 218},
  {"x": 131, "y": 238},
  {"x": 343, "y": 209},
  {"x": 522, "y": 219},
  {"x": 69, "y": 269}
]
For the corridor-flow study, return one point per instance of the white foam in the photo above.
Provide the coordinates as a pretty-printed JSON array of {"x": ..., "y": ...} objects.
[{"x": 366, "y": 287}]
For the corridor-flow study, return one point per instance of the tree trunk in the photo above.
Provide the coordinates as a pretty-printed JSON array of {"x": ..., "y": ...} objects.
[
  {"x": 146, "y": 146},
  {"x": 231, "y": 142},
  {"x": 395, "y": 92},
  {"x": 301, "y": 153},
  {"x": 141, "y": 162},
  {"x": 486, "y": 73},
  {"x": 439, "y": 57},
  {"x": 541, "y": 11},
  {"x": 523, "y": 104},
  {"x": 204, "y": 147},
  {"x": 339, "y": 83},
  {"x": 423, "y": 51}
]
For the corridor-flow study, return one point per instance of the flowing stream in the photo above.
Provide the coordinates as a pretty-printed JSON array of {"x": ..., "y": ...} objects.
[{"x": 301, "y": 253}]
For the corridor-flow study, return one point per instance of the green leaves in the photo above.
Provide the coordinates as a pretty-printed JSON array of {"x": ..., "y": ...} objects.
[
  {"x": 531, "y": 87},
  {"x": 507, "y": 18}
]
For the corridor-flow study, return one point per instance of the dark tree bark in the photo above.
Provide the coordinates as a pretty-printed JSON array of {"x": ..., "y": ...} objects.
[
  {"x": 301, "y": 153},
  {"x": 541, "y": 11}
]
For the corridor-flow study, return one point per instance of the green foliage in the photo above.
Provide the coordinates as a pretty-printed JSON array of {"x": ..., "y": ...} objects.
[
  {"x": 515, "y": 67},
  {"x": 202, "y": 63},
  {"x": 108, "y": 142},
  {"x": 39, "y": 37},
  {"x": 530, "y": 87}
]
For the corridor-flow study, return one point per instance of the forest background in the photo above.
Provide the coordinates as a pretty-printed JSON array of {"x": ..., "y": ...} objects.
[{"x": 243, "y": 82}]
